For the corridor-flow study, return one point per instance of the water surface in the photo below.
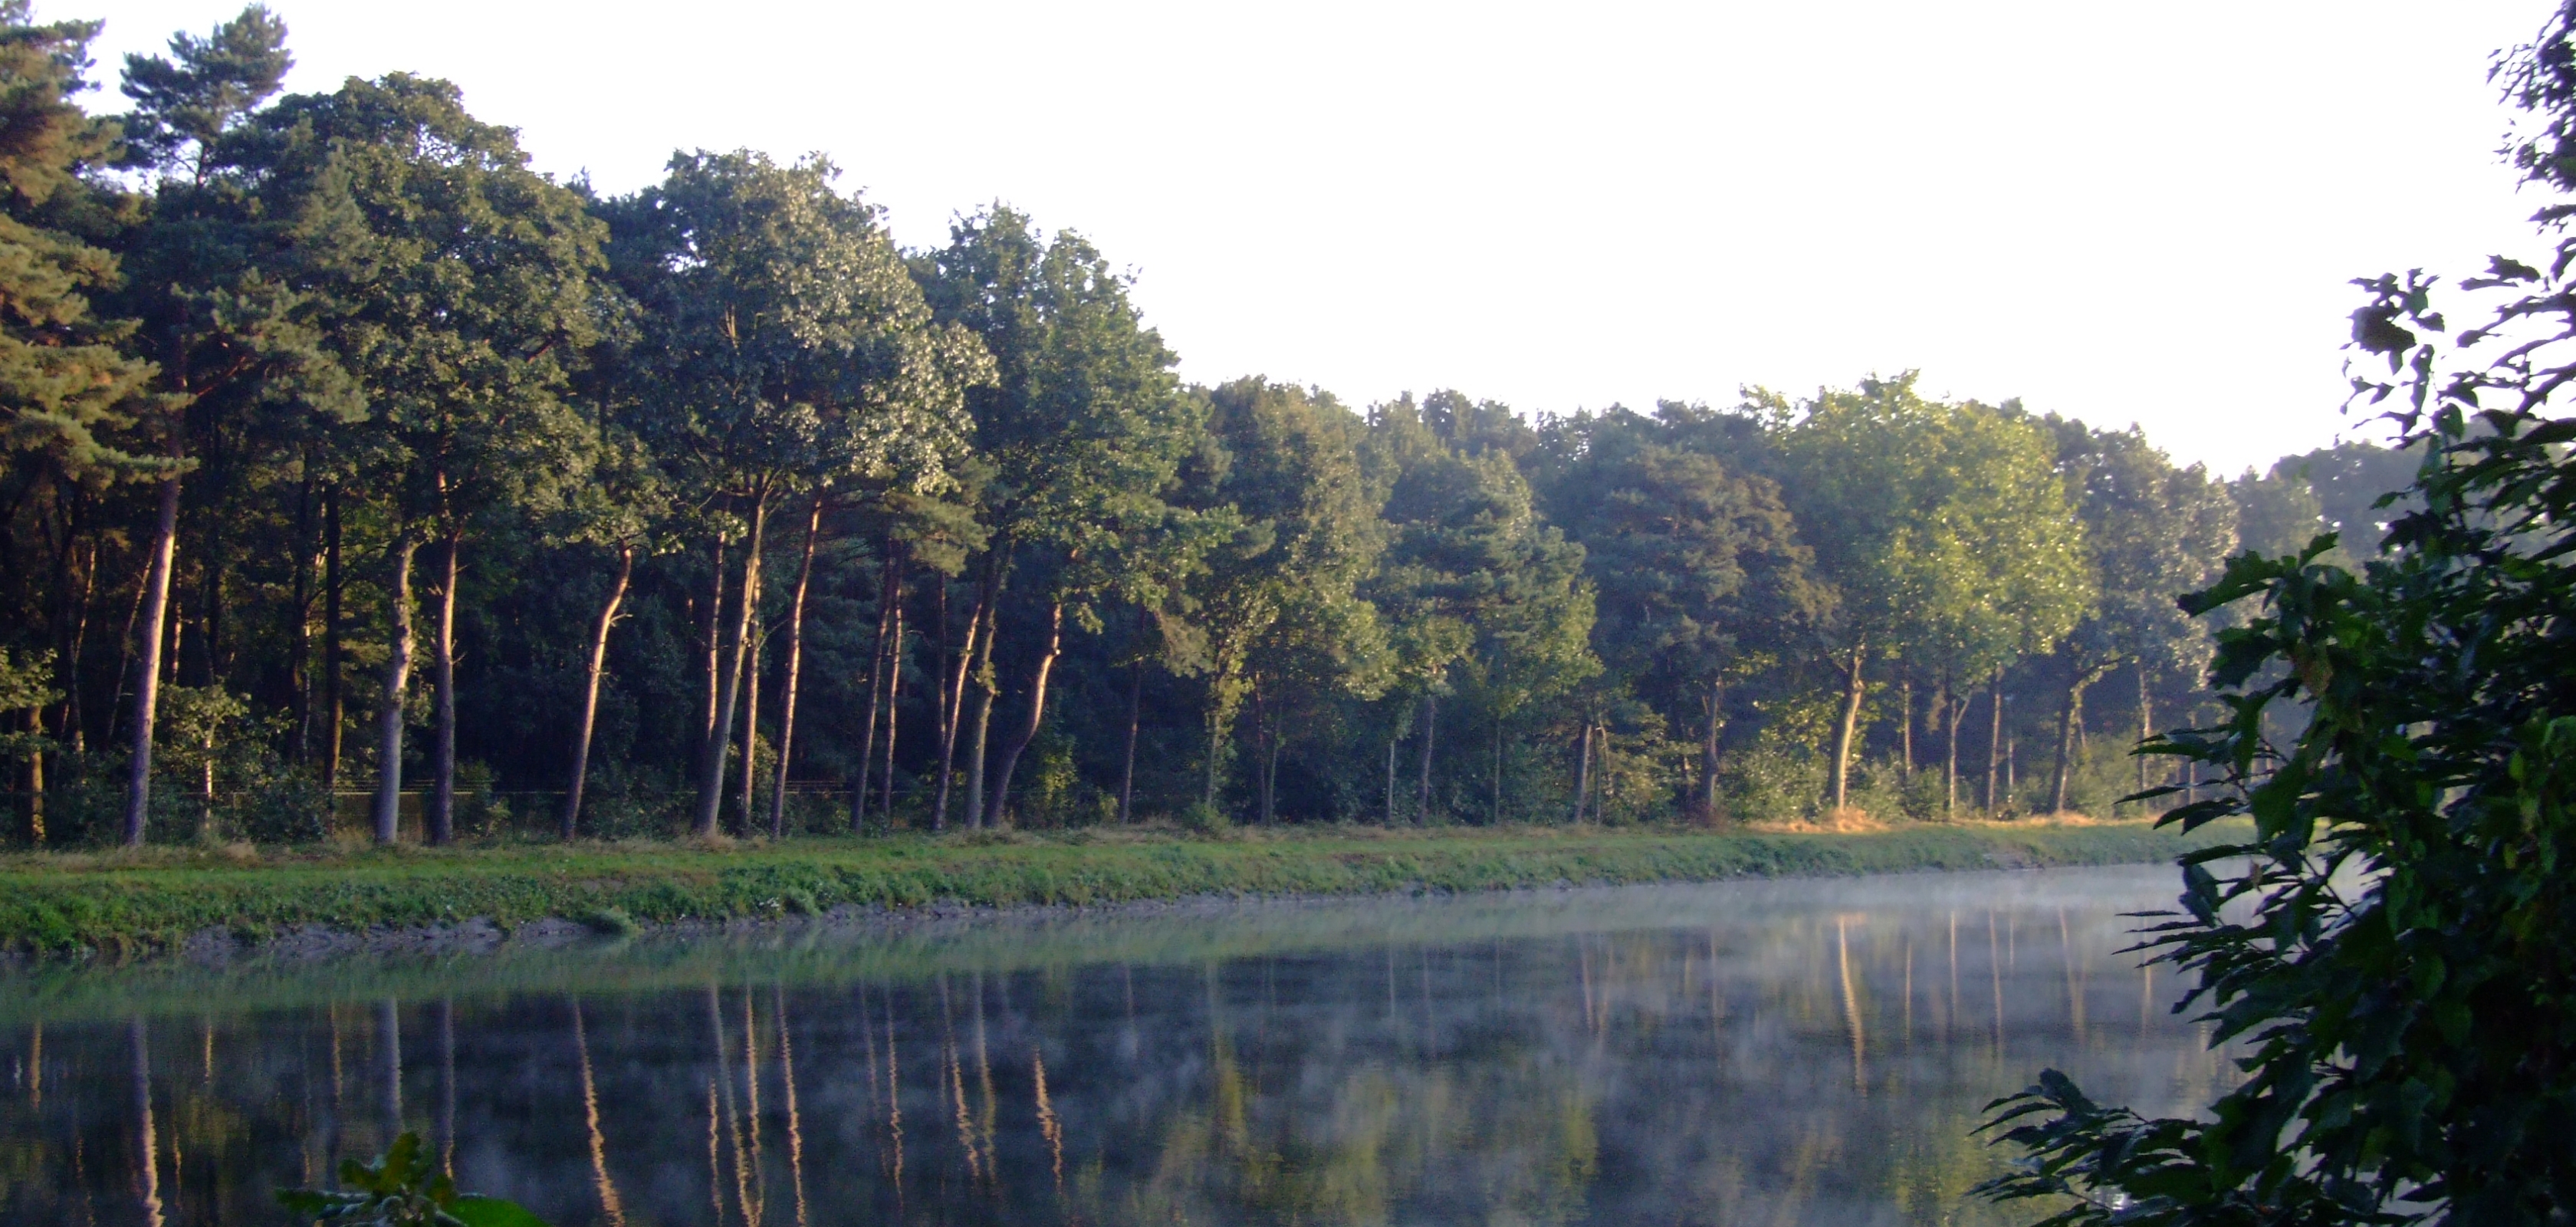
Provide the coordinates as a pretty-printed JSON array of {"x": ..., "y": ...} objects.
[{"x": 1795, "y": 1052}]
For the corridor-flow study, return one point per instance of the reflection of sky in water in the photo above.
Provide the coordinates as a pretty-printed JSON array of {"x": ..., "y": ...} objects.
[{"x": 1768, "y": 1052}]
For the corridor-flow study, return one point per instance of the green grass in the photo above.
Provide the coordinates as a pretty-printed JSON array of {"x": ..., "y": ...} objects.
[{"x": 126, "y": 903}]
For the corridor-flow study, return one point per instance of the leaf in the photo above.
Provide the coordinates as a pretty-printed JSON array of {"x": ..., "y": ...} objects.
[{"x": 478, "y": 1211}]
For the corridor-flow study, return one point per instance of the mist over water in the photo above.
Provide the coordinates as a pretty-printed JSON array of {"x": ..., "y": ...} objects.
[{"x": 1804, "y": 1052}]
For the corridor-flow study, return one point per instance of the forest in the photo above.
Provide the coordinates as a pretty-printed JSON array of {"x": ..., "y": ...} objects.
[{"x": 361, "y": 479}]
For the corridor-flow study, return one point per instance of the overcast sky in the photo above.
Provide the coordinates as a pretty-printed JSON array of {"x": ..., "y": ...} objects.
[{"x": 2121, "y": 212}]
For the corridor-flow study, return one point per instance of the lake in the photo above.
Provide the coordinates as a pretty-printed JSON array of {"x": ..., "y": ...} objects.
[{"x": 1779, "y": 1052}]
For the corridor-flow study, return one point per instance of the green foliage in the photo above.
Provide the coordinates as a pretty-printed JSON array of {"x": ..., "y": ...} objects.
[
  {"x": 2390, "y": 944},
  {"x": 402, "y": 1188}
]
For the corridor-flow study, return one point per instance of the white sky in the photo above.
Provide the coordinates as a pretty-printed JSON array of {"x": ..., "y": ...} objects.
[{"x": 2121, "y": 212}]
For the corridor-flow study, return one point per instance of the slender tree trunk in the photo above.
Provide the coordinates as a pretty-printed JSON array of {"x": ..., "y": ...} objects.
[
  {"x": 876, "y": 691},
  {"x": 1430, "y": 732},
  {"x": 36, "y": 783},
  {"x": 1261, "y": 752},
  {"x": 1497, "y": 818},
  {"x": 147, "y": 675},
  {"x": 1394, "y": 740},
  {"x": 1582, "y": 771},
  {"x": 1994, "y": 739},
  {"x": 1905, "y": 731},
  {"x": 397, "y": 681},
  {"x": 2067, "y": 714},
  {"x": 1953, "y": 709},
  {"x": 894, "y": 704},
  {"x": 299, "y": 667},
  {"x": 1135, "y": 718},
  {"x": 1037, "y": 712},
  {"x": 711, "y": 761},
  {"x": 1709, "y": 761},
  {"x": 952, "y": 696},
  {"x": 441, "y": 822},
  {"x": 1855, "y": 689},
  {"x": 751, "y": 670},
  {"x": 590, "y": 691},
  {"x": 333, "y": 698},
  {"x": 2146, "y": 723},
  {"x": 988, "y": 690},
  {"x": 795, "y": 660},
  {"x": 714, "y": 636}
]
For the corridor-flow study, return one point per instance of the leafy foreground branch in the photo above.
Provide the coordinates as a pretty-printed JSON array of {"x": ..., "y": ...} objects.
[
  {"x": 402, "y": 1189},
  {"x": 2395, "y": 947}
]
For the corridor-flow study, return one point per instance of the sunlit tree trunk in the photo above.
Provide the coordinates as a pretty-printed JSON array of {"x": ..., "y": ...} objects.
[
  {"x": 590, "y": 690},
  {"x": 1855, "y": 688},
  {"x": 1430, "y": 730},
  {"x": 987, "y": 690},
  {"x": 711, "y": 760},
  {"x": 876, "y": 691},
  {"x": 795, "y": 660},
  {"x": 441, "y": 819},
  {"x": 1994, "y": 738},
  {"x": 147, "y": 671},
  {"x": 389, "y": 742},
  {"x": 332, "y": 697},
  {"x": 1582, "y": 771},
  {"x": 893, "y": 705},
  {"x": 1135, "y": 718},
  {"x": 713, "y": 635},
  {"x": 952, "y": 697},
  {"x": 1709, "y": 758},
  {"x": 1037, "y": 712}
]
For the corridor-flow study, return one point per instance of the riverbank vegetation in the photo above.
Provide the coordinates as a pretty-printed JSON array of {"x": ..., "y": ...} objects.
[
  {"x": 159, "y": 897},
  {"x": 359, "y": 477}
]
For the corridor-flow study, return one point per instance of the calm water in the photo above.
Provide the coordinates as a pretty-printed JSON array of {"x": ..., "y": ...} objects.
[{"x": 1774, "y": 1053}]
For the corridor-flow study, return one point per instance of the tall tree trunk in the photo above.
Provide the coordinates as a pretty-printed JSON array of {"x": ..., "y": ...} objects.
[
  {"x": 1905, "y": 730},
  {"x": 2067, "y": 716},
  {"x": 1994, "y": 739},
  {"x": 299, "y": 662},
  {"x": 751, "y": 714},
  {"x": 876, "y": 691},
  {"x": 1037, "y": 712},
  {"x": 590, "y": 690},
  {"x": 75, "y": 721},
  {"x": 441, "y": 823},
  {"x": 1261, "y": 733},
  {"x": 1855, "y": 689},
  {"x": 711, "y": 760},
  {"x": 1394, "y": 741},
  {"x": 36, "y": 783},
  {"x": 1497, "y": 818},
  {"x": 714, "y": 637},
  {"x": 1709, "y": 761},
  {"x": 2146, "y": 723},
  {"x": 333, "y": 698},
  {"x": 986, "y": 693},
  {"x": 795, "y": 660},
  {"x": 894, "y": 704},
  {"x": 1135, "y": 717},
  {"x": 952, "y": 694},
  {"x": 1582, "y": 771},
  {"x": 147, "y": 675},
  {"x": 1430, "y": 732},
  {"x": 397, "y": 681},
  {"x": 1953, "y": 709}
]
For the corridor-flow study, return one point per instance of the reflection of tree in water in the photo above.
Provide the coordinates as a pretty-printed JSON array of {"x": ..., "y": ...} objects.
[{"x": 1817, "y": 1053}]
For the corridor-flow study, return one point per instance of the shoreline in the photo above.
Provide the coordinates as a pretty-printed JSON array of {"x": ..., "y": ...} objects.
[{"x": 77, "y": 911}]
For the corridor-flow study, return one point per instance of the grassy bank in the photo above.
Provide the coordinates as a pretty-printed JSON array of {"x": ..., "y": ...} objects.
[{"x": 55, "y": 903}]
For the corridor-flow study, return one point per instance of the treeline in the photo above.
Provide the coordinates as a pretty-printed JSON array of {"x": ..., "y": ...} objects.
[{"x": 348, "y": 455}]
